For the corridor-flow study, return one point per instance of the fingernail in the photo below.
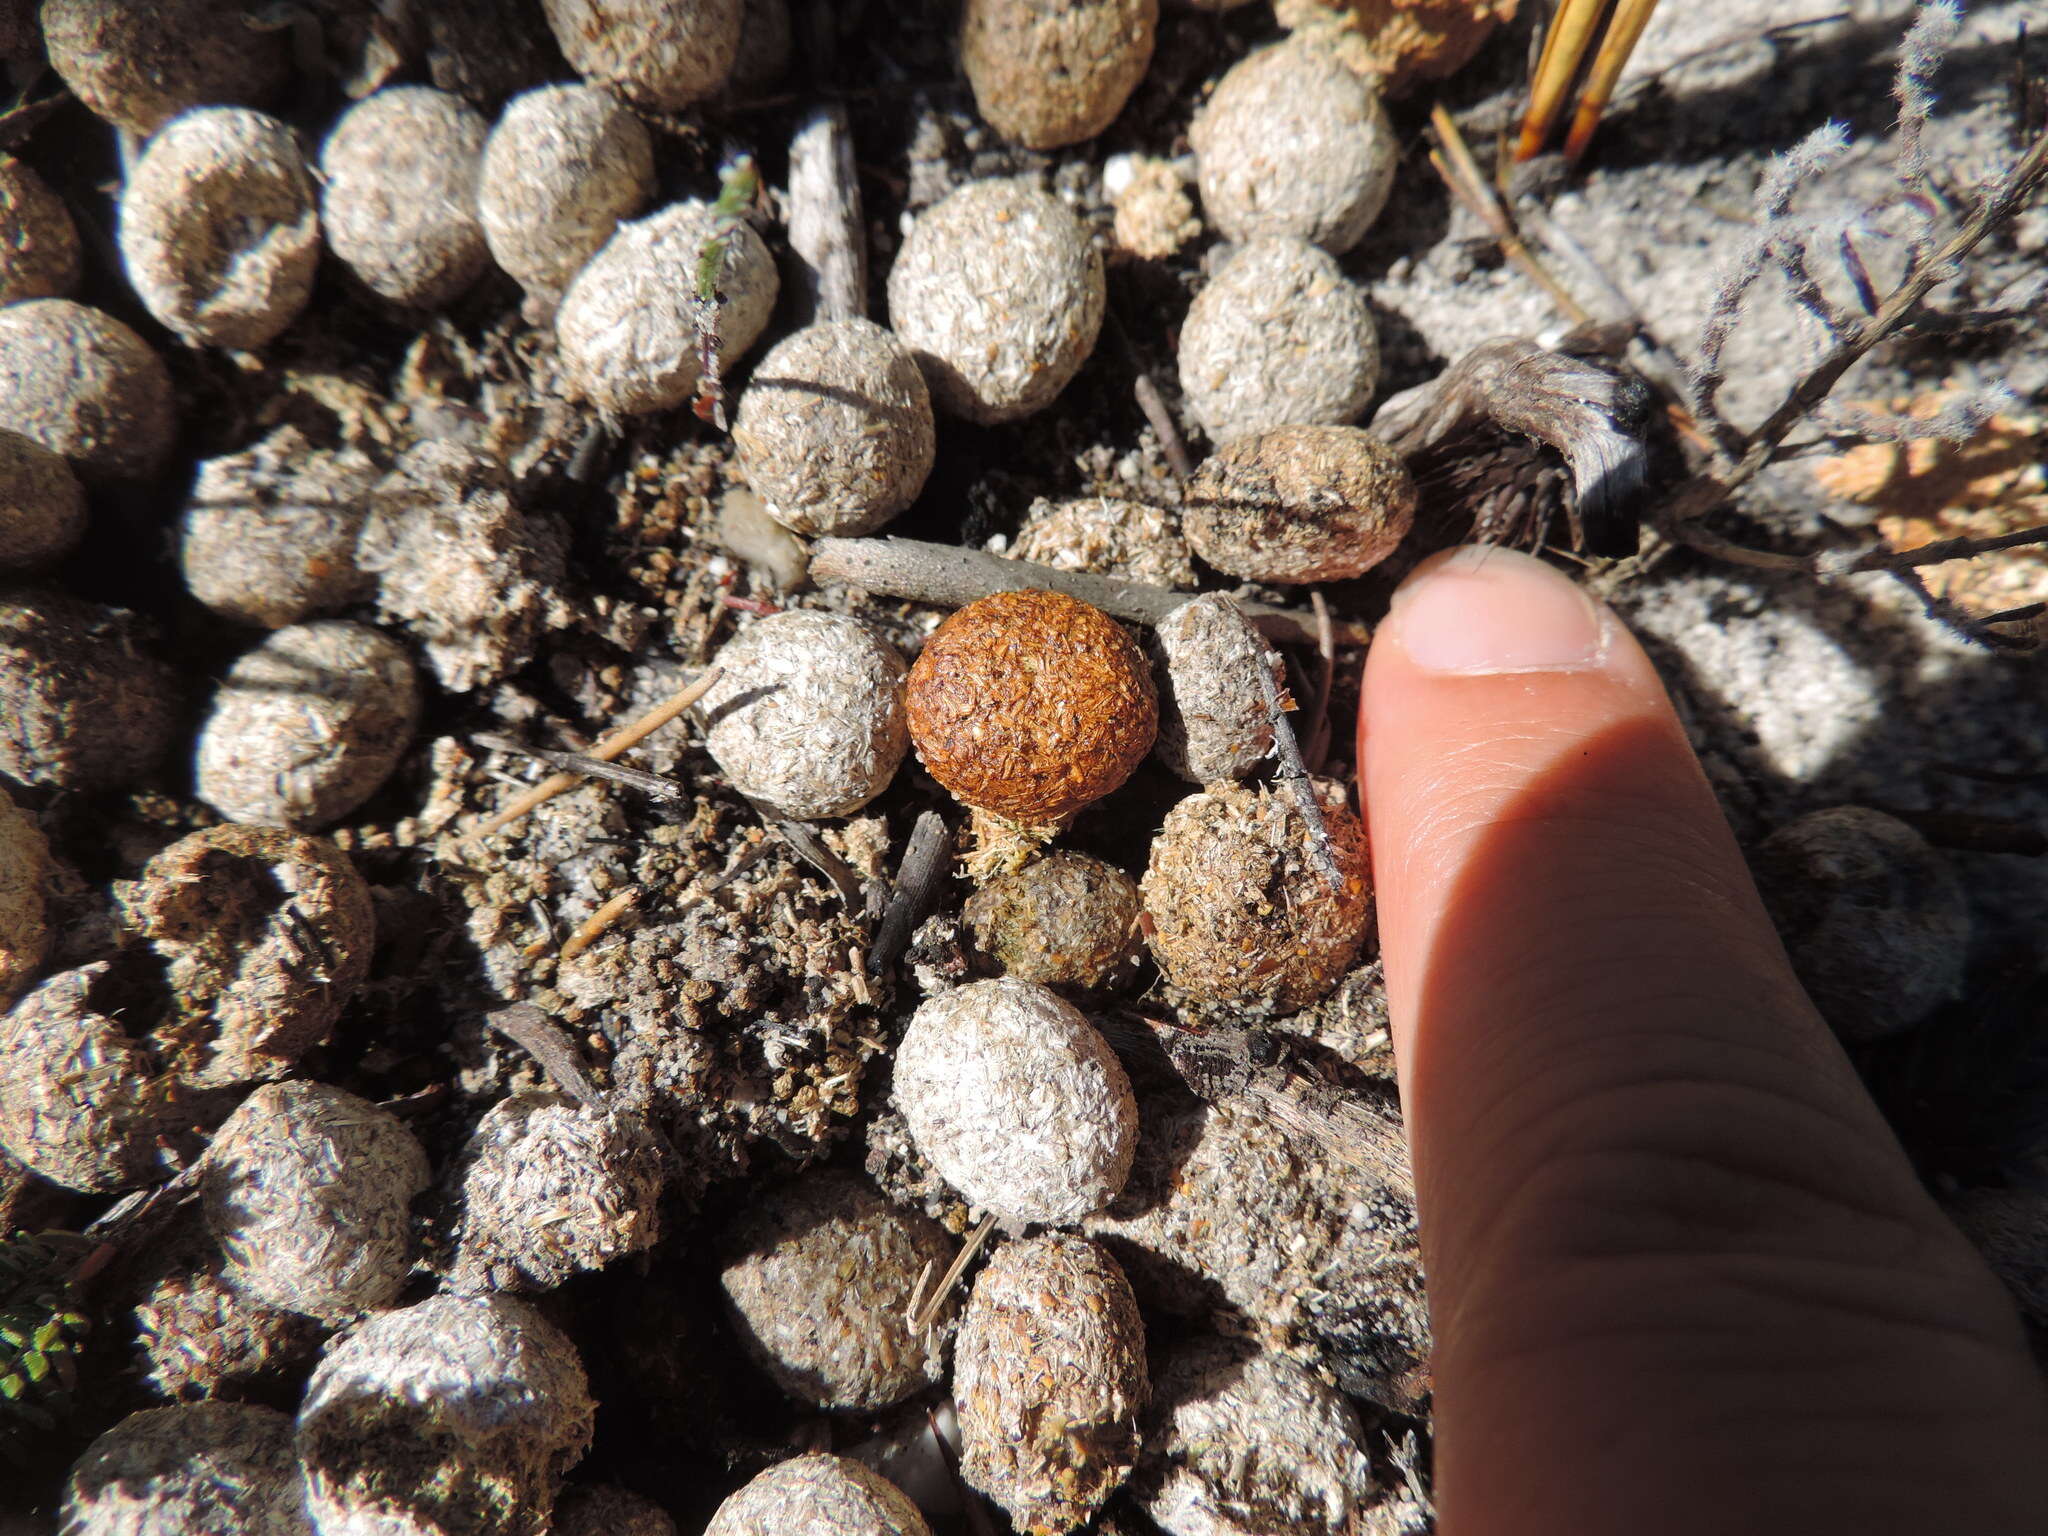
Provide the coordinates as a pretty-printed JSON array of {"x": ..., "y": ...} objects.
[{"x": 1476, "y": 611}]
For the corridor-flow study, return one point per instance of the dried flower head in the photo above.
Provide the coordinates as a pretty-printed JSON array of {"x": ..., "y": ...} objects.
[
  {"x": 1031, "y": 705},
  {"x": 308, "y": 725},
  {"x": 1017, "y": 1100},
  {"x": 219, "y": 230},
  {"x": 459, "y": 1414},
  {"x": 1293, "y": 143},
  {"x": 1049, "y": 1381},
  {"x": 400, "y": 170},
  {"x": 84, "y": 385},
  {"x": 308, "y": 1190},
  {"x": 1241, "y": 913},
  {"x": 821, "y": 1275},
  {"x": 999, "y": 292},
  {"x": 819, "y": 1496},
  {"x": 1279, "y": 337},
  {"x": 807, "y": 715},
  {"x": 1045, "y": 75},
  {"x": 1300, "y": 504},
  {"x": 264, "y": 935},
  {"x": 835, "y": 432}
]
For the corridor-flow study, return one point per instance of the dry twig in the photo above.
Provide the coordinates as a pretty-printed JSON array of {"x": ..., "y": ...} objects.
[{"x": 544, "y": 1040}]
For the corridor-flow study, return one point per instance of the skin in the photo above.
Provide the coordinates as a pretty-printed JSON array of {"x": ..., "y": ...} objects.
[{"x": 1683, "y": 1276}]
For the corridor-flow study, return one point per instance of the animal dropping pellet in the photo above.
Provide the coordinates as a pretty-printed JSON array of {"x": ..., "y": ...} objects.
[
  {"x": 198, "y": 1469},
  {"x": 1017, "y": 1101},
  {"x": 1045, "y": 75},
  {"x": 1300, "y": 504},
  {"x": 269, "y": 535},
  {"x": 307, "y": 1190},
  {"x": 24, "y": 866},
  {"x": 599, "y": 1509},
  {"x": 1109, "y": 537},
  {"x": 821, "y": 1274},
  {"x": 835, "y": 432},
  {"x": 1049, "y": 1380},
  {"x": 807, "y": 714},
  {"x": 1214, "y": 722},
  {"x": 1241, "y": 911},
  {"x": 38, "y": 241},
  {"x": 1279, "y": 337},
  {"x": 563, "y": 165},
  {"x": 628, "y": 326},
  {"x": 399, "y": 209},
  {"x": 91, "y": 705},
  {"x": 1293, "y": 143},
  {"x": 139, "y": 63},
  {"x": 264, "y": 935},
  {"x": 661, "y": 54},
  {"x": 86, "y": 386},
  {"x": 307, "y": 726},
  {"x": 1064, "y": 920},
  {"x": 818, "y": 1496},
  {"x": 219, "y": 230},
  {"x": 42, "y": 505},
  {"x": 999, "y": 292},
  {"x": 551, "y": 1187},
  {"x": 457, "y": 1416}
]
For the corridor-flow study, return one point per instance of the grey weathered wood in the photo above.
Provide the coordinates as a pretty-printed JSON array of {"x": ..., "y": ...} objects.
[{"x": 825, "y": 226}]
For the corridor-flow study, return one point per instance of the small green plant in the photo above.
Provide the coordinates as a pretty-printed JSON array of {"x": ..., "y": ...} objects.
[
  {"x": 739, "y": 186},
  {"x": 41, "y": 1333}
]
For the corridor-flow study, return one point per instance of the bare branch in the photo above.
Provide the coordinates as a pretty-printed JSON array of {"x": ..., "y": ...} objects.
[{"x": 1927, "y": 42}]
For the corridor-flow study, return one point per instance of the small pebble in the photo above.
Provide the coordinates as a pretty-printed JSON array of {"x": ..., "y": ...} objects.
[
  {"x": 1293, "y": 143},
  {"x": 400, "y": 171},
  {"x": 42, "y": 505},
  {"x": 820, "y": 1274},
  {"x": 807, "y": 714},
  {"x": 263, "y": 935},
  {"x": 198, "y": 1469},
  {"x": 475, "y": 579},
  {"x": 38, "y": 241},
  {"x": 1214, "y": 722},
  {"x": 551, "y": 1188},
  {"x": 84, "y": 385},
  {"x": 1241, "y": 1441},
  {"x": 1049, "y": 1380},
  {"x": 835, "y": 431},
  {"x": 818, "y": 1496},
  {"x": 999, "y": 292},
  {"x": 1108, "y": 537},
  {"x": 1241, "y": 911},
  {"x": 1064, "y": 920},
  {"x": 660, "y": 54},
  {"x": 1050, "y": 74},
  {"x": 307, "y": 726},
  {"x": 268, "y": 535},
  {"x": 308, "y": 1191},
  {"x": 80, "y": 1102},
  {"x": 627, "y": 327},
  {"x": 1279, "y": 337},
  {"x": 90, "y": 703},
  {"x": 219, "y": 230},
  {"x": 457, "y": 1416},
  {"x": 24, "y": 867},
  {"x": 1873, "y": 916},
  {"x": 1299, "y": 504},
  {"x": 772, "y": 553},
  {"x": 139, "y": 63},
  {"x": 563, "y": 166},
  {"x": 1017, "y": 1100}
]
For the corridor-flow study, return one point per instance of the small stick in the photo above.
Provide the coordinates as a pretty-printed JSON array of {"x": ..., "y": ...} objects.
[
  {"x": 917, "y": 888},
  {"x": 1153, "y": 404},
  {"x": 543, "y": 1039},
  {"x": 921, "y": 1316},
  {"x": 812, "y": 850},
  {"x": 951, "y": 577},
  {"x": 612, "y": 746},
  {"x": 1461, "y": 173},
  {"x": 1326, "y": 677},
  {"x": 825, "y": 227},
  {"x": 587, "y": 932},
  {"x": 588, "y": 767},
  {"x": 1294, "y": 774}
]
